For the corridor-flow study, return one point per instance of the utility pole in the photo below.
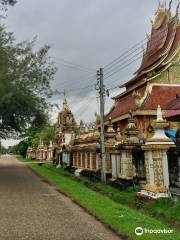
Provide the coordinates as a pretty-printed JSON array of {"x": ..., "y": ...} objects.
[{"x": 100, "y": 87}]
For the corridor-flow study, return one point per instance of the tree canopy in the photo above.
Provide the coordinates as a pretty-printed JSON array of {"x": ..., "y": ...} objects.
[
  {"x": 46, "y": 135},
  {"x": 33, "y": 138},
  {"x": 25, "y": 77}
]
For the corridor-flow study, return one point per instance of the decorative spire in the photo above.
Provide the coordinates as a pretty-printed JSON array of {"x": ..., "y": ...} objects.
[
  {"x": 118, "y": 135},
  {"x": 110, "y": 127},
  {"x": 170, "y": 4},
  {"x": 65, "y": 104},
  {"x": 159, "y": 125},
  {"x": 177, "y": 9},
  {"x": 159, "y": 114},
  {"x": 131, "y": 131},
  {"x": 161, "y": 6}
]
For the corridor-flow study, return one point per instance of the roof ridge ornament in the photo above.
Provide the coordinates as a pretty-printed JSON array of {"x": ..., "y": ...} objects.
[
  {"x": 177, "y": 9},
  {"x": 159, "y": 114},
  {"x": 65, "y": 103},
  {"x": 170, "y": 4},
  {"x": 161, "y": 7}
]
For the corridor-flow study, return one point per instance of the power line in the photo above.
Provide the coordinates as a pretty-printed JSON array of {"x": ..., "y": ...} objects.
[
  {"x": 123, "y": 54},
  {"x": 84, "y": 107},
  {"x": 130, "y": 50},
  {"x": 119, "y": 59},
  {"x": 124, "y": 65},
  {"x": 68, "y": 64},
  {"x": 72, "y": 67},
  {"x": 88, "y": 80},
  {"x": 79, "y": 90}
]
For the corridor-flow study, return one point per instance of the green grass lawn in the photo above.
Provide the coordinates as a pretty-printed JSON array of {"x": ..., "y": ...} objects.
[
  {"x": 22, "y": 159},
  {"x": 120, "y": 217},
  {"x": 163, "y": 209}
]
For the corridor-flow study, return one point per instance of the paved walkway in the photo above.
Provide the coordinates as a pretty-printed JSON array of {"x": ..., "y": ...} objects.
[{"x": 31, "y": 209}]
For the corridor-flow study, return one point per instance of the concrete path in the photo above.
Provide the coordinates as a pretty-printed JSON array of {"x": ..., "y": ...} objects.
[{"x": 31, "y": 209}]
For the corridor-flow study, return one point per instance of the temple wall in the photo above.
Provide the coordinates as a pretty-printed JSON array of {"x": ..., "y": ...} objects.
[{"x": 86, "y": 160}]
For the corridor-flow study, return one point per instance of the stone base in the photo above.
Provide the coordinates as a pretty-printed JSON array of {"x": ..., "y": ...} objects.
[
  {"x": 175, "y": 193},
  {"x": 77, "y": 172},
  {"x": 152, "y": 195},
  {"x": 58, "y": 166}
]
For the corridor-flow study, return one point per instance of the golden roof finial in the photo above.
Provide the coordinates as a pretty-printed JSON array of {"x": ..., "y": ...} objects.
[
  {"x": 65, "y": 104},
  {"x": 110, "y": 127},
  {"x": 161, "y": 7}
]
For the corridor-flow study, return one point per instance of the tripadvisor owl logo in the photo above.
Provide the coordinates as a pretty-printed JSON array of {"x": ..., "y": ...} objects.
[{"x": 139, "y": 231}]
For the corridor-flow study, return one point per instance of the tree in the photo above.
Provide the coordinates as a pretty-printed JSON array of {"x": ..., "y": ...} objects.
[
  {"x": 5, "y": 3},
  {"x": 19, "y": 149},
  {"x": 25, "y": 84},
  {"x": 46, "y": 135},
  {"x": 3, "y": 150}
]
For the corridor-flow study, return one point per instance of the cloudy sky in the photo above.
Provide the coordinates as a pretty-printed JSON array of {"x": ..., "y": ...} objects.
[{"x": 88, "y": 34}]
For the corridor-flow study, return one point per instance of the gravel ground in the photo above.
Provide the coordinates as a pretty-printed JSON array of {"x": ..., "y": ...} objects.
[{"x": 31, "y": 209}]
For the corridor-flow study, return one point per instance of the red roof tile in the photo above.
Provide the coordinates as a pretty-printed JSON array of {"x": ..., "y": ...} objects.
[
  {"x": 160, "y": 95},
  {"x": 174, "y": 104},
  {"x": 172, "y": 113}
]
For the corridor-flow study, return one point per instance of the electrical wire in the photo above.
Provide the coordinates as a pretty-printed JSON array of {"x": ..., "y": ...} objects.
[
  {"x": 107, "y": 66},
  {"x": 123, "y": 67},
  {"x": 131, "y": 50},
  {"x": 72, "y": 65},
  {"x": 124, "y": 57},
  {"x": 88, "y": 81}
]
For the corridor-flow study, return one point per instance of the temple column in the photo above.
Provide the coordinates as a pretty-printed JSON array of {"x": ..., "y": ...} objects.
[
  {"x": 91, "y": 163},
  {"x": 97, "y": 161},
  {"x": 81, "y": 159},
  {"x": 151, "y": 167},
  {"x": 86, "y": 160},
  {"x": 73, "y": 159},
  {"x": 165, "y": 169},
  {"x": 157, "y": 173}
]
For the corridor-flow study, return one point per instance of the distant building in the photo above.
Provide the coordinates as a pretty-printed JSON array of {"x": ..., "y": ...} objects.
[{"x": 65, "y": 129}]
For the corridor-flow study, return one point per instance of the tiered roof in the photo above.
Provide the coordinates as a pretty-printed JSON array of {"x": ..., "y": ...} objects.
[
  {"x": 173, "y": 108},
  {"x": 162, "y": 45},
  {"x": 155, "y": 98}
]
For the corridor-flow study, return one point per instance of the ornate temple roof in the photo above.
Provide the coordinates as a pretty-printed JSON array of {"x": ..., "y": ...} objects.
[
  {"x": 173, "y": 107},
  {"x": 162, "y": 44},
  {"x": 66, "y": 120},
  {"x": 155, "y": 97}
]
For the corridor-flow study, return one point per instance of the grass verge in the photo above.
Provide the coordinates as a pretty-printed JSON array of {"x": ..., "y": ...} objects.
[{"x": 119, "y": 217}]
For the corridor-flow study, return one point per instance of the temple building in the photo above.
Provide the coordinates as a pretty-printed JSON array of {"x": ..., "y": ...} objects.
[
  {"x": 65, "y": 129},
  {"x": 157, "y": 81},
  {"x": 137, "y": 150},
  {"x": 85, "y": 150}
]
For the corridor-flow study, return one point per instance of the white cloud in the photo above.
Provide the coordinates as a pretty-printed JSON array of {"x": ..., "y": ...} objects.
[{"x": 91, "y": 33}]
